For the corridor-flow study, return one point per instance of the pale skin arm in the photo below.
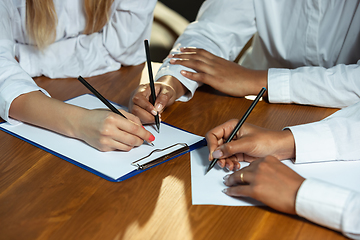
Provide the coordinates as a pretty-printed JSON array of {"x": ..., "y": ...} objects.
[
  {"x": 101, "y": 129},
  {"x": 268, "y": 181},
  {"x": 223, "y": 75},
  {"x": 250, "y": 143}
]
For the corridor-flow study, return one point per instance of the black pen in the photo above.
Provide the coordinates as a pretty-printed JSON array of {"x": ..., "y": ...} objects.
[
  {"x": 238, "y": 126},
  {"x": 151, "y": 78},
  {"x": 104, "y": 100}
]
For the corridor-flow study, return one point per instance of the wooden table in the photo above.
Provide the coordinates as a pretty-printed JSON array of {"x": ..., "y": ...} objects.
[{"x": 45, "y": 197}]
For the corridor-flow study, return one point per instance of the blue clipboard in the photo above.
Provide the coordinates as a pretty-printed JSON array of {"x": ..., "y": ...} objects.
[{"x": 139, "y": 169}]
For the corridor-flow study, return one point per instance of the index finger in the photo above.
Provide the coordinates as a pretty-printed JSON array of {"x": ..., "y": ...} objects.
[
  {"x": 135, "y": 129},
  {"x": 218, "y": 135}
]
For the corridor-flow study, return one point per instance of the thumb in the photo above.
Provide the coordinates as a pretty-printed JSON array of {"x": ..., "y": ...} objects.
[{"x": 234, "y": 148}]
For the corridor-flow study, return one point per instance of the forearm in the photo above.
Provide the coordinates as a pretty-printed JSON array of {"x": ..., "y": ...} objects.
[{"x": 38, "y": 109}]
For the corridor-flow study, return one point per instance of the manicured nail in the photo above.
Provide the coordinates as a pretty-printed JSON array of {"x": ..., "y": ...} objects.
[
  {"x": 158, "y": 107},
  {"x": 153, "y": 112},
  {"x": 183, "y": 72},
  {"x": 237, "y": 166},
  {"x": 225, "y": 190},
  {"x": 218, "y": 154},
  {"x": 226, "y": 177},
  {"x": 151, "y": 138},
  {"x": 227, "y": 166},
  {"x": 172, "y": 60}
]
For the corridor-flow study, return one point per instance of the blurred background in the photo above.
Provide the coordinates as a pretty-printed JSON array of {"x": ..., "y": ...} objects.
[{"x": 170, "y": 20}]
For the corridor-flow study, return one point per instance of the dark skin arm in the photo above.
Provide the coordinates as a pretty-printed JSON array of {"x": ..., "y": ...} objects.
[
  {"x": 223, "y": 75},
  {"x": 250, "y": 143},
  {"x": 268, "y": 181}
]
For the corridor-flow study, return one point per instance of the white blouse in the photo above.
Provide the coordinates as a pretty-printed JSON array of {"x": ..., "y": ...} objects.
[
  {"x": 312, "y": 51},
  {"x": 120, "y": 42}
]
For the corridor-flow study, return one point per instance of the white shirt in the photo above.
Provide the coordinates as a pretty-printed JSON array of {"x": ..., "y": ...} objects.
[
  {"x": 72, "y": 54},
  {"x": 312, "y": 51}
]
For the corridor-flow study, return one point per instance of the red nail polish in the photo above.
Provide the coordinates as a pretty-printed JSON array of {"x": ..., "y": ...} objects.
[{"x": 151, "y": 138}]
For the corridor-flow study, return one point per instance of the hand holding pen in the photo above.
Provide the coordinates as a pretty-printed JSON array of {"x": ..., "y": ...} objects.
[
  {"x": 212, "y": 133},
  {"x": 113, "y": 130}
]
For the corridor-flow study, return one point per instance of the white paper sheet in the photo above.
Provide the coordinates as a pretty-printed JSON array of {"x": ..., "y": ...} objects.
[
  {"x": 113, "y": 164},
  {"x": 207, "y": 189}
]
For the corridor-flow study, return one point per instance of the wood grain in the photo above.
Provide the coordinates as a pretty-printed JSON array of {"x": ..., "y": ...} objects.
[{"x": 45, "y": 197}]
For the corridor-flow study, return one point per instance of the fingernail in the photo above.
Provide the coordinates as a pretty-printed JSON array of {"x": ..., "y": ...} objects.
[
  {"x": 170, "y": 55},
  {"x": 225, "y": 190},
  {"x": 151, "y": 138},
  {"x": 227, "y": 166},
  {"x": 172, "y": 60},
  {"x": 219, "y": 164},
  {"x": 153, "y": 112},
  {"x": 158, "y": 107},
  {"x": 183, "y": 72},
  {"x": 218, "y": 154},
  {"x": 226, "y": 177}
]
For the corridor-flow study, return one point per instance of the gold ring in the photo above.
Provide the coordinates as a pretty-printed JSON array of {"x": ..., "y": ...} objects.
[{"x": 242, "y": 177}]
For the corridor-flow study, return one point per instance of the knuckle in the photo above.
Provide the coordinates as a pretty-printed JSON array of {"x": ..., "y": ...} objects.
[
  {"x": 134, "y": 128},
  {"x": 132, "y": 142},
  {"x": 200, "y": 76},
  {"x": 136, "y": 110},
  {"x": 165, "y": 96},
  {"x": 126, "y": 148},
  {"x": 263, "y": 166},
  {"x": 105, "y": 131},
  {"x": 228, "y": 148},
  {"x": 103, "y": 143}
]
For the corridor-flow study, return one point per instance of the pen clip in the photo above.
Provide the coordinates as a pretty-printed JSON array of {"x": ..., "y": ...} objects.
[{"x": 183, "y": 149}]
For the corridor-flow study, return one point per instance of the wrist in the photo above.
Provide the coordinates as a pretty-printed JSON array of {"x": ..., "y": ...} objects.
[
  {"x": 178, "y": 87},
  {"x": 286, "y": 146},
  {"x": 260, "y": 81}
]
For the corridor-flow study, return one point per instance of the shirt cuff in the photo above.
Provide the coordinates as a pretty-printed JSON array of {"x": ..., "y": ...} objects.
[
  {"x": 322, "y": 203},
  {"x": 314, "y": 142},
  {"x": 278, "y": 85},
  {"x": 174, "y": 70}
]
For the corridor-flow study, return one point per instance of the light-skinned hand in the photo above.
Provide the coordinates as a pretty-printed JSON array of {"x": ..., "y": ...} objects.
[
  {"x": 167, "y": 89},
  {"x": 100, "y": 128},
  {"x": 108, "y": 131}
]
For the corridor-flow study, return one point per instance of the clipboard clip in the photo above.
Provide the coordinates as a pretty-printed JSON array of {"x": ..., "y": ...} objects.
[{"x": 183, "y": 149}]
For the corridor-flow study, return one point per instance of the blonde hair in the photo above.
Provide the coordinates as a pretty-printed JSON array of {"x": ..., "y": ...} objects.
[{"x": 41, "y": 19}]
